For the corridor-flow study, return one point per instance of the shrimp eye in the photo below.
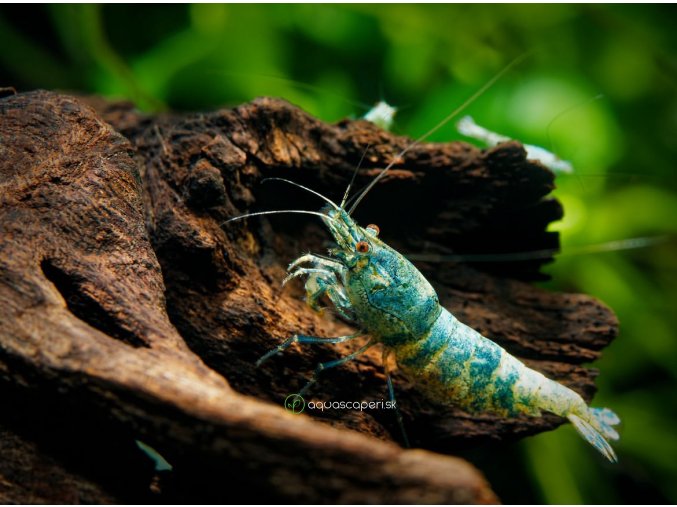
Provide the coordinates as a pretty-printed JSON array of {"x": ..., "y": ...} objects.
[
  {"x": 374, "y": 229},
  {"x": 362, "y": 247}
]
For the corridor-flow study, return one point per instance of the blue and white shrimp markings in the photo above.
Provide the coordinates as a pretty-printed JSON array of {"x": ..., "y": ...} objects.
[
  {"x": 392, "y": 302},
  {"x": 381, "y": 115}
]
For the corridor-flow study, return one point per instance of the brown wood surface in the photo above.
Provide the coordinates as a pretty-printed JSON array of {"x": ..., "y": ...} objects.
[{"x": 130, "y": 311}]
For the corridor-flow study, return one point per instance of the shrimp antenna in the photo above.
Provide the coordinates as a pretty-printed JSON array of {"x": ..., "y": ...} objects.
[
  {"x": 304, "y": 188},
  {"x": 446, "y": 120},
  {"x": 569, "y": 109},
  {"x": 609, "y": 246},
  {"x": 259, "y": 213},
  {"x": 349, "y": 201},
  {"x": 352, "y": 180}
]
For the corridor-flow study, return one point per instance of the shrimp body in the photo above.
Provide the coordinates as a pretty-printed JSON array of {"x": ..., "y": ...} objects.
[
  {"x": 454, "y": 362},
  {"x": 469, "y": 128},
  {"x": 392, "y": 302}
]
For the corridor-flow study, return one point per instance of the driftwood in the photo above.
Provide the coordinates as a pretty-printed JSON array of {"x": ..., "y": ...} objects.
[{"x": 129, "y": 311}]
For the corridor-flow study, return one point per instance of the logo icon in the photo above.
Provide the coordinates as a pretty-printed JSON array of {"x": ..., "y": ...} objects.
[{"x": 295, "y": 403}]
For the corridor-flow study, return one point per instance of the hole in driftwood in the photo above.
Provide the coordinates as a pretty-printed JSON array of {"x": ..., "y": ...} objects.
[{"x": 84, "y": 306}]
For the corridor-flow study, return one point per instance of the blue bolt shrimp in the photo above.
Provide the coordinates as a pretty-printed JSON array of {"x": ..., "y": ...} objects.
[
  {"x": 384, "y": 294},
  {"x": 390, "y": 301},
  {"x": 376, "y": 287}
]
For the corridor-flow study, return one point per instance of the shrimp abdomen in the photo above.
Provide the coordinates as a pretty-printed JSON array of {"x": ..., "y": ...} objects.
[{"x": 455, "y": 364}]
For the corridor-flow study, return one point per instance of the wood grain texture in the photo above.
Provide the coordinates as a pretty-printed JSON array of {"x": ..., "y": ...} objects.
[{"x": 130, "y": 310}]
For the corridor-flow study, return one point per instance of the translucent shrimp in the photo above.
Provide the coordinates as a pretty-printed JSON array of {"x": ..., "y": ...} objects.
[{"x": 469, "y": 128}]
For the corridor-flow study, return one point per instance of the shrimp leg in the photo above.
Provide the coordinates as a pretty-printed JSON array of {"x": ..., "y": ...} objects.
[
  {"x": 322, "y": 279},
  {"x": 317, "y": 286},
  {"x": 317, "y": 261},
  {"x": 332, "y": 364},
  {"x": 391, "y": 395},
  {"x": 297, "y": 338}
]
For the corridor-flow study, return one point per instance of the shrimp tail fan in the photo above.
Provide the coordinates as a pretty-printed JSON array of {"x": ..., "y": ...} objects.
[{"x": 596, "y": 426}]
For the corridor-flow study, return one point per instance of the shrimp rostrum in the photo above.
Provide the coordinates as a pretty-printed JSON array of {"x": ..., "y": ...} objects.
[{"x": 389, "y": 300}]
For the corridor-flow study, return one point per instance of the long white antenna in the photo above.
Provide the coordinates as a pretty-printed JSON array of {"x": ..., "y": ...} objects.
[
  {"x": 258, "y": 213},
  {"x": 304, "y": 188},
  {"x": 352, "y": 180}
]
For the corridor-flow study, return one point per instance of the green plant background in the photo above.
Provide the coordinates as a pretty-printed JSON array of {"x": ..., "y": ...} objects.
[{"x": 598, "y": 87}]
